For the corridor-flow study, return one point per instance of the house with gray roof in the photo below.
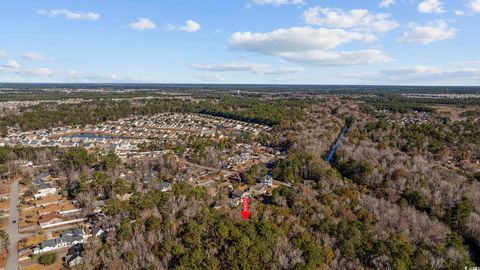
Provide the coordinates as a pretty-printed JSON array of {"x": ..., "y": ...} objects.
[{"x": 66, "y": 239}]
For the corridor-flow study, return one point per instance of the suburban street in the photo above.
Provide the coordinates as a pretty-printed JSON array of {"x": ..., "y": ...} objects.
[{"x": 12, "y": 261}]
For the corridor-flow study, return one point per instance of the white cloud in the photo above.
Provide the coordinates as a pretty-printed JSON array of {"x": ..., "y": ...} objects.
[
  {"x": 278, "y": 2},
  {"x": 71, "y": 15},
  {"x": 280, "y": 71},
  {"x": 474, "y": 5},
  {"x": 143, "y": 24},
  {"x": 235, "y": 66},
  {"x": 423, "y": 74},
  {"x": 295, "y": 38},
  {"x": 431, "y": 32},
  {"x": 42, "y": 72},
  {"x": 337, "y": 58},
  {"x": 356, "y": 19},
  {"x": 459, "y": 12},
  {"x": 190, "y": 27},
  {"x": 12, "y": 65},
  {"x": 33, "y": 56},
  {"x": 309, "y": 45},
  {"x": 211, "y": 77},
  {"x": 3, "y": 53},
  {"x": 386, "y": 3},
  {"x": 249, "y": 67},
  {"x": 431, "y": 6},
  {"x": 78, "y": 76}
]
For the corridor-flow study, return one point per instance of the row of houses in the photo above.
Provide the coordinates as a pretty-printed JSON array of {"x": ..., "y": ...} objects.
[{"x": 127, "y": 133}]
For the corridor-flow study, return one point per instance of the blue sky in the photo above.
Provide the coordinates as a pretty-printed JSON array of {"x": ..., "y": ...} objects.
[{"x": 409, "y": 42}]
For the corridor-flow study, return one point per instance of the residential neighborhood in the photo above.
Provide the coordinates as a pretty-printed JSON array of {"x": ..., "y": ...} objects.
[
  {"x": 50, "y": 222},
  {"x": 126, "y": 135}
]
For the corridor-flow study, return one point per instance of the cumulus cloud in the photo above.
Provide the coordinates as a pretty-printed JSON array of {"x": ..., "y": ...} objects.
[
  {"x": 70, "y": 15},
  {"x": 278, "y": 2},
  {"x": 309, "y": 45},
  {"x": 431, "y": 6},
  {"x": 190, "y": 27},
  {"x": 420, "y": 73},
  {"x": 386, "y": 3},
  {"x": 474, "y": 5},
  {"x": 249, "y": 67},
  {"x": 294, "y": 39},
  {"x": 356, "y": 19},
  {"x": 431, "y": 32},
  {"x": 13, "y": 66},
  {"x": 142, "y": 24},
  {"x": 3, "y": 53},
  {"x": 33, "y": 56}
]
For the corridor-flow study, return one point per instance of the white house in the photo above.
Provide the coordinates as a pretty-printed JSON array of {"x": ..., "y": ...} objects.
[
  {"x": 66, "y": 239},
  {"x": 44, "y": 190}
]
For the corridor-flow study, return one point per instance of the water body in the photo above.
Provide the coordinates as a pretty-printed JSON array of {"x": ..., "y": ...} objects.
[
  {"x": 94, "y": 136},
  {"x": 336, "y": 144}
]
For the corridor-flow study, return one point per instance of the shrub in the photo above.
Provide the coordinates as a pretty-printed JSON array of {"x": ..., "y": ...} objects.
[{"x": 47, "y": 258}]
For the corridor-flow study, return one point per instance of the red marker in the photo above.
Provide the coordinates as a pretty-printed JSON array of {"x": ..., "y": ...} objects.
[{"x": 245, "y": 213}]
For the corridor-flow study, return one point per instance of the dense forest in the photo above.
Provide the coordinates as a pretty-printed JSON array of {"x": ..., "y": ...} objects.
[{"x": 411, "y": 165}]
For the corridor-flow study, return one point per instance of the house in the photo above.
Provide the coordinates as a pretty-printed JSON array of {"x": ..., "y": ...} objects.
[
  {"x": 98, "y": 232},
  {"x": 50, "y": 218},
  {"x": 239, "y": 194},
  {"x": 165, "y": 186},
  {"x": 258, "y": 189},
  {"x": 267, "y": 181},
  {"x": 43, "y": 188},
  {"x": 236, "y": 197},
  {"x": 77, "y": 248},
  {"x": 74, "y": 255},
  {"x": 66, "y": 239},
  {"x": 72, "y": 232},
  {"x": 48, "y": 209},
  {"x": 40, "y": 179},
  {"x": 74, "y": 259}
]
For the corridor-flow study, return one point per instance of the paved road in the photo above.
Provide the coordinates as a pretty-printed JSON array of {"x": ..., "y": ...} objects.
[{"x": 12, "y": 261}]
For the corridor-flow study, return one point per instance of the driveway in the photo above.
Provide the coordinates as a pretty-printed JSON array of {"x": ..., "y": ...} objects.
[{"x": 12, "y": 261}]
